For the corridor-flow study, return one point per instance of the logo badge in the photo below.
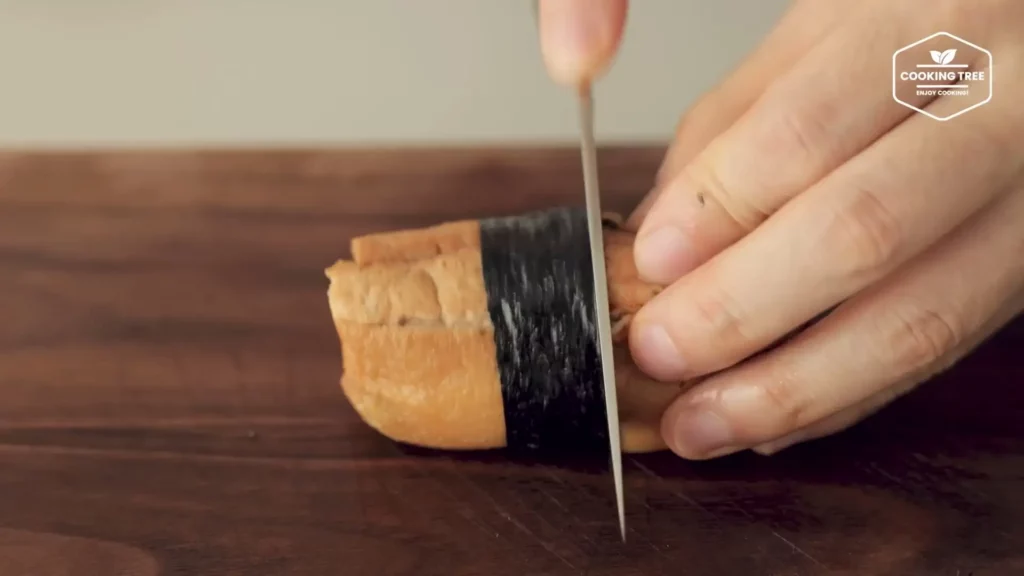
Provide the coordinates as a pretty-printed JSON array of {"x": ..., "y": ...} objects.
[{"x": 942, "y": 66}]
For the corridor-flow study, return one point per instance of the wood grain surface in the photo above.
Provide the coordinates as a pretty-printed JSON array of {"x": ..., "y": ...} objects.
[{"x": 169, "y": 400}]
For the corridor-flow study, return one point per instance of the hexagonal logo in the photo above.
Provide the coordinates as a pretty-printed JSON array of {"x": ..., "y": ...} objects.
[{"x": 942, "y": 66}]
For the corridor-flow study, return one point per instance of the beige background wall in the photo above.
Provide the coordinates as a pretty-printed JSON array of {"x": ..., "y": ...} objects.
[{"x": 299, "y": 72}]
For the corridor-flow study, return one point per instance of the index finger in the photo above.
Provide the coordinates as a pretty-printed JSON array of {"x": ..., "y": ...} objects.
[
  {"x": 801, "y": 128},
  {"x": 579, "y": 38}
]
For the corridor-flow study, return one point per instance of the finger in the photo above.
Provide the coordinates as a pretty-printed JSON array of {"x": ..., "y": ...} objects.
[
  {"x": 850, "y": 229},
  {"x": 914, "y": 320},
  {"x": 802, "y": 26},
  {"x": 839, "y": 421},
  {"x": 847, "y": 417},
  {"x": 579, "y": 38},
  {"x": 801, "y": 128},
  {"x": 861, "y": 410}
]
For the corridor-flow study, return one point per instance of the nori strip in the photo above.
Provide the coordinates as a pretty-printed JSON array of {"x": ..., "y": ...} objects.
[{"x": 540, "y": 295}]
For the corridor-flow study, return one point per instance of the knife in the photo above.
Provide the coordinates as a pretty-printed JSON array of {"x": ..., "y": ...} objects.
[
  {"x": 588, "y": 150},
  {"x": 592, "y": 191}
]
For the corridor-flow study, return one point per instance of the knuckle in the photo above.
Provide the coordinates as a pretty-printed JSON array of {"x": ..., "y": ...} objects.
[
  {"x": 719, "y": 317},
  {"x": 788, "y": 407},
  {"x": 704, "y": 177},
  {"x": 916, "y": 337},
  {"x": 804, "y": 137},
  {"x": 863, "y": 235},
  {"x": 803, "y": 133}
]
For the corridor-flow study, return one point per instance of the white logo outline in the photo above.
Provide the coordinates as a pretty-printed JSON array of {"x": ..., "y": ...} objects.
[{"x": 942, "y": 60}]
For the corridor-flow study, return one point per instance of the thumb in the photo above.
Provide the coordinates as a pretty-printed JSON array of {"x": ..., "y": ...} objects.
[{"x": 579, "y": 38}]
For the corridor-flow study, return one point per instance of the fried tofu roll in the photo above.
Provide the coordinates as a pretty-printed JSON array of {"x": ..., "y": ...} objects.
[{"x": 479, "y": 334}]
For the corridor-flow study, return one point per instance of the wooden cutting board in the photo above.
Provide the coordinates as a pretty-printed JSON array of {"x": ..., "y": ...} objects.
[{"x": 169, "y": 400}]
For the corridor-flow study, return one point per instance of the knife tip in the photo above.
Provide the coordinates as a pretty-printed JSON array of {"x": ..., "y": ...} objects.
[{"x": 622, "y": 515}]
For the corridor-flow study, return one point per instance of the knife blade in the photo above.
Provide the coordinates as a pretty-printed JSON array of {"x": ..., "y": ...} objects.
[{"x": 588, "y": 150}]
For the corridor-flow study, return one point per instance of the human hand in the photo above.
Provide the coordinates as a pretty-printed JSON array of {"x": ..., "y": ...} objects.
[
  {"x": 799, "y": 187},
  {"x": 579, "y": 38}
]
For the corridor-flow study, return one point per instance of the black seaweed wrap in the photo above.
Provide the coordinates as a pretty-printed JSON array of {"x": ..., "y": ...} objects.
[{"x": 540, "y": 296}]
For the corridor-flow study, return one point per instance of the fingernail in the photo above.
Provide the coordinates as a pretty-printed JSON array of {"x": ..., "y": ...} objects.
[
  {"x": 656, "y": 354},
  {"x": 664, "y": 255},
  {"x": 702, "y": 433}
]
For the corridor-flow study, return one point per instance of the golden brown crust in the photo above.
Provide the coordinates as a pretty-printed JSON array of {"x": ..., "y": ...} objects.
[
  {"x": 416, "y": 244},
  {"x": 443, "y": 291},
  {"x": 417, "y": 343},
  {"x": 431, "y": 386}
]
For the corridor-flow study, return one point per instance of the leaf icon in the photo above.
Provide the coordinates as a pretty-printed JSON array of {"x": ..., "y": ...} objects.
[
  {"x": 936, "y": 56},
  {"x": 948, "y": 55}
]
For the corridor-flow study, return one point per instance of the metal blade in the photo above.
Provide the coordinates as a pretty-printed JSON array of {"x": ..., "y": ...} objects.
[{"x": 602, "y": 309}]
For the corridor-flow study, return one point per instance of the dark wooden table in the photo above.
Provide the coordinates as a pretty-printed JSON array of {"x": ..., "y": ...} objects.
[{"x": 169, "y": 401}]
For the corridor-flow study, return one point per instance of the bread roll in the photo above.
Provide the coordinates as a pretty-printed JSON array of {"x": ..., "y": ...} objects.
[{"x": 417, "y": 342}]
